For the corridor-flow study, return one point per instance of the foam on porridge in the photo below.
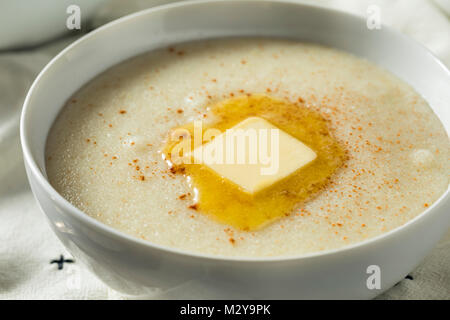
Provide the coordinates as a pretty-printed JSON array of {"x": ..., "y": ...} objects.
[{"x": 104, "y": 149}]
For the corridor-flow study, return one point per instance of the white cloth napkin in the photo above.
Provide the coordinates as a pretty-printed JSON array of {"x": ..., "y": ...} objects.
[{"x": 27, "y": 245}]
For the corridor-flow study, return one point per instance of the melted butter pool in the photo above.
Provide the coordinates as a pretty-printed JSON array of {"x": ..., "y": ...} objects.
[{"x": 225, "y": 202}]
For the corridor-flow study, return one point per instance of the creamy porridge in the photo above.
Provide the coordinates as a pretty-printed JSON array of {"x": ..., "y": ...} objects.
[{"x": 382, "y": 156}]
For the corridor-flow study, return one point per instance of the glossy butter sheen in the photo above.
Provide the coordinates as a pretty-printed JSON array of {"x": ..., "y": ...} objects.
[{"x": 285, "y": 154}]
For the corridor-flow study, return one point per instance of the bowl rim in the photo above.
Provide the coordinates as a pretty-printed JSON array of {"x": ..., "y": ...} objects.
[{"x": 98, "y": 226}]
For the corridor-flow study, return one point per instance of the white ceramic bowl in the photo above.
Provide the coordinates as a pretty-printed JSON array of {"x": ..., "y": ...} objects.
[{"x": 135, "y": 266}]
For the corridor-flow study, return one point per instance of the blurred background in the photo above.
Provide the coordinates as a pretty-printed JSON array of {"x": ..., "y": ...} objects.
[{"x": 31, "y": 33}]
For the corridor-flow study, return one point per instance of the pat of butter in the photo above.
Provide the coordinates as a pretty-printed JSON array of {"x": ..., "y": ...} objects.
[{"x": 254, "y": 154}]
